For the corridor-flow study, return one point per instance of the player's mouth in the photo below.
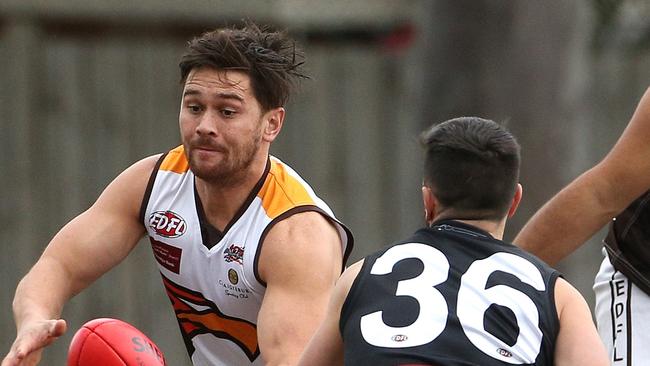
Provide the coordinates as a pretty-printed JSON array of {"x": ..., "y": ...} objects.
[{"x": 208, "y": 149}]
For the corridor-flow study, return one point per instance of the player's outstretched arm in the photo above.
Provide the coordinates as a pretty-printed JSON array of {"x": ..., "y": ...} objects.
[
  {"x": 578, "y": 342},
  {"x": 300, "y": 261},
  {"x": 83, "y": 250},
  {"x": 326, "y": 346},
  {"x": 583, "y": 207}
]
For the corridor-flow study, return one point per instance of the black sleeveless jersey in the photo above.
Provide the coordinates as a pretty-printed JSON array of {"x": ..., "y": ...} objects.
[{"x": 451, "y": 295}]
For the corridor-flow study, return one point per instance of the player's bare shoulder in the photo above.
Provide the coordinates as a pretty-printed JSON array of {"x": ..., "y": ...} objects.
[
  {"x": 307, "y": 237},
  {"x": 307, "y": 223},
  {"x": 127, "y": 190},
  {"x": 142, "y": 169}
]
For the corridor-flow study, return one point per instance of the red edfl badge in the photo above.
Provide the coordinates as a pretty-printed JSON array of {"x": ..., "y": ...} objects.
[{"x": 167, "y": 224}]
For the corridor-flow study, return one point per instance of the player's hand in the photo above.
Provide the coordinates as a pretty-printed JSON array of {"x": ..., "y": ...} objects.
[{"x": 30, "y": 341}]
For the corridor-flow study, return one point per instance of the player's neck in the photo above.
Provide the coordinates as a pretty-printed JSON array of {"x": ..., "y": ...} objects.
[
  {"x": 222, "y": 201},
  {"x": 494, "y": 228}
]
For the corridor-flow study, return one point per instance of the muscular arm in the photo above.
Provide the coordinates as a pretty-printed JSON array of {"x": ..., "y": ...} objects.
[
  {"x": 83, "y": 250},
  {"x": 300, "y": 262},
  {"x": 577, "y": 342},
  {"x": 326, "y": 346},
  {"x": 583, "y": 207}
]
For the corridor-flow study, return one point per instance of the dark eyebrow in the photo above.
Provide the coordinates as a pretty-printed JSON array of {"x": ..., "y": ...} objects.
[
  {"x": 187, "y": 92},
  {"x": 223, "y": 95},
  {"x": 230, "y": 95}
]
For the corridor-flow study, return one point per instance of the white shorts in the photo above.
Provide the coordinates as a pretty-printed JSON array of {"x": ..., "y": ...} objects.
[{"x": 623, "y": 317}]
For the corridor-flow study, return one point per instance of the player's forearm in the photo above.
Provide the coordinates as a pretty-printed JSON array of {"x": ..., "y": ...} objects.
[
  {"x": 568, "y": 220},
  {"x": 322, "y": 358},
  {"x": 279, "y": 352},
  {"x": 42, "y": 293},
  {"x": 300, "y": 319}
]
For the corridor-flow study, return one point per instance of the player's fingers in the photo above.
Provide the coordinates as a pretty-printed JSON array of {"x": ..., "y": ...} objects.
[
  {"x": 14, "y": 356},
  {"x": 57, "y": 328},
  {"x": 8, "y": 360},
  {"x": 18, "y": 357},
  {"x": 27, "y": 348},
  {"x": 31, "y": 359}
]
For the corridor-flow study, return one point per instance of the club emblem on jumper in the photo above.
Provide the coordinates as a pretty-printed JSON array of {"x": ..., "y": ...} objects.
[
  {"x": 233, "y": 277},
  {"x": 234, "y": 254},
  {"x": 167, "y": 224}
]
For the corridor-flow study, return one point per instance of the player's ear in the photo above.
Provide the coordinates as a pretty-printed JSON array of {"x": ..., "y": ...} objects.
[
  {"x": 430, "y": 204},
  {"x": 272, "y": 123},
  {"x": 515, "y": 200}
]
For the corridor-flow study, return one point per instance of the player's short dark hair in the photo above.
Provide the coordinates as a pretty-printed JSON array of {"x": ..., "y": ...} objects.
[
  {"x": 472, "y": 166},
  {"x": 269, "y": 57}
]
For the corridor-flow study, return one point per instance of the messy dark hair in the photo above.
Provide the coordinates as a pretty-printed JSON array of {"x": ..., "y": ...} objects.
[
  {"x": 472, "y": 166},
  {"x": 270, "y": 58}
]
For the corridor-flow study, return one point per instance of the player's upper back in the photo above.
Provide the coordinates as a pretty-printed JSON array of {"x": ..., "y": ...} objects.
[{"x": 451, "y": 295}]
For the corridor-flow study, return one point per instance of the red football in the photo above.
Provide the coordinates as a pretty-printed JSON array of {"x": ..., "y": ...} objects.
[{"x": 112, "y": 342}]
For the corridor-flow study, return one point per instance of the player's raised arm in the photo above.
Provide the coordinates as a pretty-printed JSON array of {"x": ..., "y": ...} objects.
[
  {"x": 300, "y": 262},
  {"x": 83, "y": 250},
  {"x": 584, "y": 206}
]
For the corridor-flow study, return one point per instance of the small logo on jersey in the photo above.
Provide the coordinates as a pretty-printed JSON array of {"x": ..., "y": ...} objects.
[
  {"x": 233, "y": 277},
  {"x": 167, "y": 224},
  {"x": 399, "y": 338},
  {"x": 231, "y": 289},
  {"x": 504, "y": 353},
  {"x": 234, "y": 254},
  {"x": 168, "y": 256}
]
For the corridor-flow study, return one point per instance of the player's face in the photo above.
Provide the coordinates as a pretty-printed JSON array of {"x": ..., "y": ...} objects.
[{"x": 220, "y": 123}]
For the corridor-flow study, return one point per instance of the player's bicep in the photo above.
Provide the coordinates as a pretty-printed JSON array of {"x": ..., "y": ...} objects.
[
  {"x": 103, "y": 235},
  {"x": 300, "y": 261}
]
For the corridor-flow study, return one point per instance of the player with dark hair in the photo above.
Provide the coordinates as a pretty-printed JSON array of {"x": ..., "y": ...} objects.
[
  {"x": 454, "y": 293},
  {"x": 615, "y": 191},
  {"x": 247, "y": 252}
]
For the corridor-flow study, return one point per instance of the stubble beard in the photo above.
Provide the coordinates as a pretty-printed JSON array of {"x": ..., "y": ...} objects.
[{"x": 231, "y": 170}]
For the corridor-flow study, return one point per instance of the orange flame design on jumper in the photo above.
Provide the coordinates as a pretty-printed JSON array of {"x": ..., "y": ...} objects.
[{"x": 209, "y": 321}]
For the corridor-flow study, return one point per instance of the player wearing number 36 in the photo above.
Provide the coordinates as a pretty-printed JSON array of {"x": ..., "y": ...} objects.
[{"x": 454, "y": 293}]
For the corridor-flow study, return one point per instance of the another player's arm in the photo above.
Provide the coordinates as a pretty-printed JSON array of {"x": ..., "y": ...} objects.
[
  {"x": 326, "y": 346},
  {"x": 83, "y": 250},
  {"x": 584, "y": 206},
  {"x": 300, "y": 261},
  {"x": 578, "y": 342}
]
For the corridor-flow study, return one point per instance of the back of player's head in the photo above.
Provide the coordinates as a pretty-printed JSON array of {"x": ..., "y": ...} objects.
[
  {"x": 268, "y": 57},
  {"x": 472, "y": 166}
]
